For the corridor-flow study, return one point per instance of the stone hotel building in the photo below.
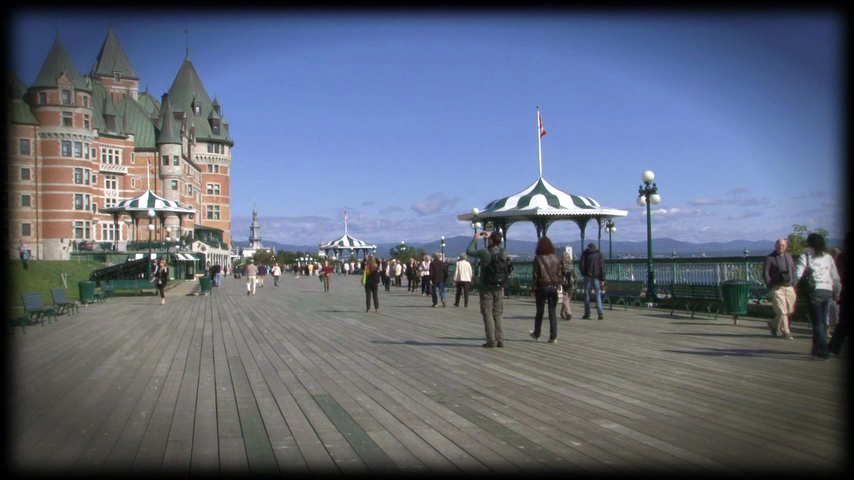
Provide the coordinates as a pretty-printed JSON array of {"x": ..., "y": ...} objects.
[{"x": 78, "y": 143}]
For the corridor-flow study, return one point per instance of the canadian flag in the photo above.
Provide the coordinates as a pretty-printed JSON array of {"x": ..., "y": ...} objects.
[{"x": 542, "y": 128}]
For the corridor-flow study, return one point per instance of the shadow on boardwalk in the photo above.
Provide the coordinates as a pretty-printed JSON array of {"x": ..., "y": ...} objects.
[{"x": 296, "y": 380}]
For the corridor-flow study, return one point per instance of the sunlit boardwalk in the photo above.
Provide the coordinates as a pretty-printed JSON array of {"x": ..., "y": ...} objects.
[{"x": 297, "y": 380}]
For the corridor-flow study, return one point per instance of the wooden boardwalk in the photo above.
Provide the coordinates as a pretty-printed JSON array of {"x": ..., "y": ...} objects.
[{"x": 294, "y": 379}]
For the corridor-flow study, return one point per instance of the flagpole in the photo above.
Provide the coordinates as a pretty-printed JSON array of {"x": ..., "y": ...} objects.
[
  {"x": 540, "y": 139},
  {"x": 345, "y": 222},
  {"x": 148, "y": 175}
]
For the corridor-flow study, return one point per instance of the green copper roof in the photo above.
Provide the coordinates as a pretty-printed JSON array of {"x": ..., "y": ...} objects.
[
  {"x": 57, "y": 62},
  {"x": 112, "y": 59},
  {"x": 19, "y": 110},
  {"x": 101, "y": 107},
  {"x": 186, "y": 89},
  {"x": 139, "y": 123},
  {"x": 149, "y": 104},
  {"x": 168, "y": 133}
]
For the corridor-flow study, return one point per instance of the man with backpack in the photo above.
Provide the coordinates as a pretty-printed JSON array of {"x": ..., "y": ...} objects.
[
  {"x": 490, "y": 283},
  {"x": 593, "y": 271}
]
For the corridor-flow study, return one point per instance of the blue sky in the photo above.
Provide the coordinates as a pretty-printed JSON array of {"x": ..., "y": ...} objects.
[{"x": 407, "y": 120}]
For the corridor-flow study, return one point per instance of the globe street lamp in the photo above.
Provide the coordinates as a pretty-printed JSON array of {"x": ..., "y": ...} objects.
[
  {"x": 610, "y": 228},
  {"x": 150, "y": 230},
  {"x": 648, "y": 195},
  {"x": 443, "y": 248}
]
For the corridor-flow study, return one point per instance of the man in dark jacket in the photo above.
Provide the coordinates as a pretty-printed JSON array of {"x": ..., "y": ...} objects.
[
  {"x": 593, "y": 271},
  {"x": 779, "y": 276},
  {"x": 437, "y": 278}
]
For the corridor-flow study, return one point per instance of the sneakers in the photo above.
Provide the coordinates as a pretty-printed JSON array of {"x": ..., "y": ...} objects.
[
  {"x": 552, "y": 340},
  {"x": 500, "y": 344},
  {"x": 586, "y": 317},
  {"x": 601, "y": 317},
  {"x": 789, "y": 337},
  {"x": 535, "y": 337},
  {"x": 488, "y": 345}
]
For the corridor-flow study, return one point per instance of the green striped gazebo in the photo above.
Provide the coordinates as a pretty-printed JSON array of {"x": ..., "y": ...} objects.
[
  {"x": 542, "y": 204},
  {"x": 347, "y": 242},
  {"x": 138, "y": 208}
]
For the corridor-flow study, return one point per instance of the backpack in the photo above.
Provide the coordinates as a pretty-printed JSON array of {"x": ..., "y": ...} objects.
[{"x": 495, "y": 272}]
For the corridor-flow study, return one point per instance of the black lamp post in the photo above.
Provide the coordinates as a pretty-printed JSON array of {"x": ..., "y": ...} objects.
[
  {"x": 648, "y": 195},
  {"x": 150, "y": 229},
  {"x": 610, "y": 228},
  {"x": 443, "y": 248}
]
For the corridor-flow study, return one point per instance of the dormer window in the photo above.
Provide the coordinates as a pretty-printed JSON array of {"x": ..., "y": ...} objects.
[
  {"x": 118, "y": 76},
  {"x": 215, "y": 126},
  {"x": 197, "y": 109},
  {"x": 66, "y": 97}
]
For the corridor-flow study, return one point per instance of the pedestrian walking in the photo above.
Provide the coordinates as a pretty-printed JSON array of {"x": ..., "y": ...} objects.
[
  {"x": 251, "y": 278},
  {"x": 372, "y": 282},
  {"x": 779, "y": 276},
  {"x": 326, "y": 275},
  {"x": 821, "y": 286},
  {"x": 568, "y": 286},
  {"x": 548, "y": 272},
  {"x": 462, "y": 280},
  {"x": 262, "y": 272},
  {"x": 593, "y": 272},
  {"x": 437, "y": 279},
  {"x": 276, "y": 272},
  {"x": 162, "y": 278},
  {"x": 840, "y": 333}
]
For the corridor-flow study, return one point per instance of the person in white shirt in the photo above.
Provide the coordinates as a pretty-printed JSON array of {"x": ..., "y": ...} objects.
[
  {"x": 276, "y": 272},
  {"x": 816, "y": 263},
  {"x": 462, "y": 280}
]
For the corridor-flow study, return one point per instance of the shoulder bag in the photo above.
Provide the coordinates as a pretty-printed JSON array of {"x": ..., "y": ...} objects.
[{"x": 806, "y": 284}]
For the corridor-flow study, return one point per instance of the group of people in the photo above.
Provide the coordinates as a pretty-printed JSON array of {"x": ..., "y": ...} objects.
[{"x": 815, "y": 276}]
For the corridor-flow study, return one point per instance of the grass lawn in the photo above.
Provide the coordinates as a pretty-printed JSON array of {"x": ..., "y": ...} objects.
[{"x": 44, "y": 275}]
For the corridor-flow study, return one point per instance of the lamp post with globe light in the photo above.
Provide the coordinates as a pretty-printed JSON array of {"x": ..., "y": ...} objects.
[
  {"x": 610, "y": 228},
  {"x": 443, "y": 248},
  {"x": 150, "y": 230},
  {"x": 648, "y": 196}
]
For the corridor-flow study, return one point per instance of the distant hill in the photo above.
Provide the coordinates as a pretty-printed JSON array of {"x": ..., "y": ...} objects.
[{"x": 661, "y": 246}]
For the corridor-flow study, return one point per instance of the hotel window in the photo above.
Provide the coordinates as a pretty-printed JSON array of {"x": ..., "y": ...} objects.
[
  {"x": 85, "y": 120},
  {"x": 24, "y": 146},
  {"x": 118, "y": 76},
  {"x": 78, "y": 150},
  {"x": 78, "y": 229},
  {"x": 110, "y": 182},
  {"x": 175, "y": 160},
  {"x": 25, "y": 201},
  {"x": 42, "y": 98},
  {"x": 86, "y": 151},
  {"x": 213, "y": 212},
  {"x": 165, "y": 160},
  {"x": 86, "y": 173},
  {"x": 85, "y": 103},
  {"x": 189, "y": 190},
  {"x": 210, "y": 148},
  {"x": 78, "y": 201},
  {"x": 108, "y": 231},
  {"x": 88, "y": 199},
  {"x": 174, "y": 184},
  {"x": 66, "y": 97},
  {"x": 66, "y": 119},
  {"x": 78, "y": 176},
  {"x": 66, "y": 148},
  {"x": 209, "y": 167},
  {"x": 216, "y": 168},
  {"x": 25, "y": 230},
  {"x": 213, "y": 189},
  {"x": 25, "y": 174}
]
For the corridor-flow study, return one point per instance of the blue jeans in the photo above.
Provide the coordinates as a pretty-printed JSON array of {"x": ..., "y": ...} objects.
[
  {"x": 543, "y": 295},
  {"x": 818, "y": 303},
  {"x": 439, "y": 291},
  {"x": 589, "y": 284}
]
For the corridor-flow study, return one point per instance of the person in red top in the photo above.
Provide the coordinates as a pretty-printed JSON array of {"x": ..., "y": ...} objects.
[{"x": 325, "y": 274}]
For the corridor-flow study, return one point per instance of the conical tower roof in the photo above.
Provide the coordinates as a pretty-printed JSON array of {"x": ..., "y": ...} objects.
[
  {"x": 58, "y": 61},
  {"x": 112, "y": 58},
  {"x": 167, "y": 127}
]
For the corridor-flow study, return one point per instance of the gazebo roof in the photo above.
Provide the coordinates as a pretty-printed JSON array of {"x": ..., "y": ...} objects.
[
  {"x": 147, "y": 201},
  {"x": 542, "y": 199},
  {"x": 347, "y": 242}
]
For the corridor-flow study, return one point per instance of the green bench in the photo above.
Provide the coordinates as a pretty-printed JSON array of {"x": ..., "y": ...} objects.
[
  {"x": 19, "y": 321},
  {"x": 36, "y": 309},
  {"x": 624, "y": 292},
  {"x": 694, "y": 295},
  {"x": 110, "y": 287},
  {"x": 60, "y": 299}
]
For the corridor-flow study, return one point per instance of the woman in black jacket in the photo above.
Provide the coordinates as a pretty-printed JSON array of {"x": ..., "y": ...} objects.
[
  {"x": 162, "y": 278},
  {"x": 548, "y": 271},
  {"x": 372, "y": 282}
]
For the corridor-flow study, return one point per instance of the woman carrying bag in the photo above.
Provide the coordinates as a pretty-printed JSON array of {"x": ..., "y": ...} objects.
[
  {"x": 371, "y": 281},
  {"x": 820, "y": 284},
  {"x": 568, "y": 284}
]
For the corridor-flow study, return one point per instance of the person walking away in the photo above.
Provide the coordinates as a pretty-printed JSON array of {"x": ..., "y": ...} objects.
[
  {"x": 424, "y": 269},
  {"x": 509, "y": 274},
  {"x": 437, "y": 279},
  {"x": 262, "y": 272},
  {"x": 276, "y": 272},
  {"x": 833, "y": 308},
  {"x": 410, "y": 276},
  {"x": 490, "y": 285},
  {"x": 817, "y": 264},
  {"x": 251, "y": 278},
  {"x": 384, "y": 278},
  {"x": 25, "y": 255},
  {"x": 398, "y": 271},
  {"x": 326, "y": 275},
  {"x": 593, "y": 271},
  {"x": 548, "y": 270},
  {"x": 372, "y": 283},
  {"x": 462, "y": 280},
  {"x": 840, "y": 333},
  {"x": 779, "y": 276},
  {"x": 568, "y": 285},
  {"x": 162, "y": 278}
]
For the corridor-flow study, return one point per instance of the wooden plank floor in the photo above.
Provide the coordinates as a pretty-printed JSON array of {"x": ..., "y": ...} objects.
[{"x": 294, "y": 379}]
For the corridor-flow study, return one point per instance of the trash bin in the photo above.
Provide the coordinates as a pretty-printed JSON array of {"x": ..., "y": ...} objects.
[
  {"x": 206, "y": 284},
  {"x": 87, "y": 292},
  {"x": 735, "y": 295}
]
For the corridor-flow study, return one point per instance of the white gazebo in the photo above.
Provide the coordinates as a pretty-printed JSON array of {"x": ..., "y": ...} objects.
[
  {"x": 347, "y": 242},
  {"x": 139, "y": 207}
]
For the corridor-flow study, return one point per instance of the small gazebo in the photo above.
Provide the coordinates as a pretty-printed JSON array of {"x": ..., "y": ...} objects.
[
  {"x": 347, "y": 242},
  {"x": 138, "y": 208}
]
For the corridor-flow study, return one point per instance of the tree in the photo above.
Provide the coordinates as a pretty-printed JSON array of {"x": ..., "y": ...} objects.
[{"x": 798, "y": 238}]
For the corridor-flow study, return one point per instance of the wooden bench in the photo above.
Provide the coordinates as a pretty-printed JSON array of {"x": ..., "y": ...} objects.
[
  {"x": 60, "y": 299},
  {"x": 694, "y": 295},
  {"x": 36, "y": 309},
  {"x": 625, "y": 292}
]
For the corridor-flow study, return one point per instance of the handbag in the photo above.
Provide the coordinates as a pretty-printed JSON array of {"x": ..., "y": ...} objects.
[
  {"x": 365, "y": 276},
  {"x": 806, "y": 284}
]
